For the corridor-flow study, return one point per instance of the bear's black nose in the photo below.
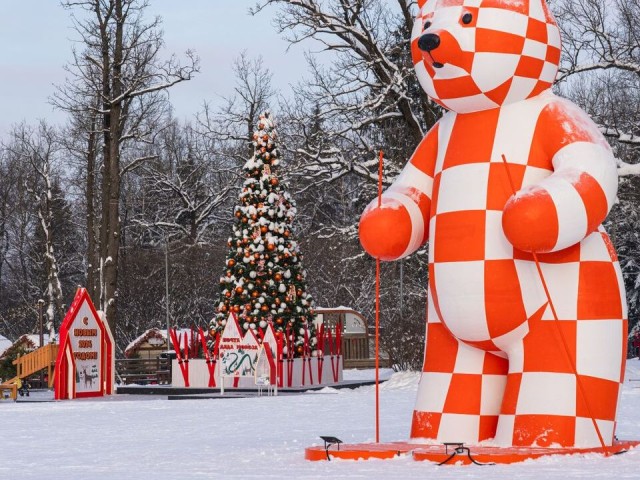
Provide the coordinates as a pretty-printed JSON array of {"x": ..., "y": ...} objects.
[{"x": 428, "y": 42}]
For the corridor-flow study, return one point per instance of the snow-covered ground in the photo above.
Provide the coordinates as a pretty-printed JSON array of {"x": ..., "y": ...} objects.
[{"x": 134, "y": 437}]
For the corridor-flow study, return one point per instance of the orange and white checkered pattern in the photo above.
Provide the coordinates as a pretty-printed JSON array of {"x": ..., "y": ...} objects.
[
  {"x": 509, "y": 51},
  {"x": 495, "y": 366}
]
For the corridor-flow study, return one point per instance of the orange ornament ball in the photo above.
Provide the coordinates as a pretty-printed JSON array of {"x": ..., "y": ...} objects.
[
  {"x": 264, "y": 229},
  {"x": 227, "y": 294},
  {"x": 231, "y": 262},
  {"x": 299, "y": 349},
  {"x": 239, "y": 290},
  {"x": 277, "y": 277},
  {"x": 274, "y": 181},
  {"x": 271, "y": 247}
]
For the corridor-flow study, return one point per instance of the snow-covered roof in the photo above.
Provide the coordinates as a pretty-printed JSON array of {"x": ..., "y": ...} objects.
[
  {"x": 4, "y": 344},
  {"x": 134, "y": 345},
  {"x": 334, "y": 309},
  {"x": 35, "y": 339},
  {"x": 28, "y": 341}
]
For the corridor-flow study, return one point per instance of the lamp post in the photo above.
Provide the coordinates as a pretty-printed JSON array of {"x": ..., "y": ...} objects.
[
  {"x": 40, "y": 305},
  {"x": 166, "y": 286}
]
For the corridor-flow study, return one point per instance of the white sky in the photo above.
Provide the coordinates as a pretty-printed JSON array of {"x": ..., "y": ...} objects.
[{"x": 36, "y": 38}]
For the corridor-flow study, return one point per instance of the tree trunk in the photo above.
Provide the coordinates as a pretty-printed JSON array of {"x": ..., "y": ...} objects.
[{"x": 93, "y": 262}]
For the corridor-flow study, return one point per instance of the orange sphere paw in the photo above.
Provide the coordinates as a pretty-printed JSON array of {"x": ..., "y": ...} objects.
[
  {"x": 385, "y": 232},
  {"x": 530, "y": 222}
]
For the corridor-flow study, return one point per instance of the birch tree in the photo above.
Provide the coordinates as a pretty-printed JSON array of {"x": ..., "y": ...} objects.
[{"x": 39, "y": 148}]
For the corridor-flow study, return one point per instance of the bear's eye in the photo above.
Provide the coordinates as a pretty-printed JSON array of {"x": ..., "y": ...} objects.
[
  {"x": 427, "y": 25},
  {"x": 467, "y": 18}
]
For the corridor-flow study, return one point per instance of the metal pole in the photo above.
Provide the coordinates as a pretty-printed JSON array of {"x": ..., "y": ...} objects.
[
  {"x": 166, "y": 287},
  {"x": 40, "y": 304},
  {"x": 380, "y": 166},
  {"x": 401, "y": 289}
]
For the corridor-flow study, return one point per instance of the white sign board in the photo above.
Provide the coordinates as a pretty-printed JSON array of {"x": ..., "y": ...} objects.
[{"x": 238, "y": 353}]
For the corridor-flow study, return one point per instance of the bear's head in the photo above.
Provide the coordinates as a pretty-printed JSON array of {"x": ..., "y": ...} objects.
[{"x": 473, "y": 55}]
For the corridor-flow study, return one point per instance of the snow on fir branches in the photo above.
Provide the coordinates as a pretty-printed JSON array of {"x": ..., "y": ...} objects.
[{"x": 264, "y": 280}]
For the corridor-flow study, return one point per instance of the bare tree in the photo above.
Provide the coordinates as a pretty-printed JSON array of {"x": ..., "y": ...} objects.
[
  {"x": 366, "y": 93},
  {"x": 182, "y": 190},
  {"x": 119, "y": 79},
  {"x": 601, "y": 67},
  {"x": 234, "y": 121}
]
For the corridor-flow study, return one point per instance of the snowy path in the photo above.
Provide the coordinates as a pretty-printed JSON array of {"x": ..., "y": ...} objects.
[{"x": 147, "y": 437}]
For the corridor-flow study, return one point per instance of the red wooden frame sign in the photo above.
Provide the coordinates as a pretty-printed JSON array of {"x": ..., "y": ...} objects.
[{"x": 85, "y": 361}]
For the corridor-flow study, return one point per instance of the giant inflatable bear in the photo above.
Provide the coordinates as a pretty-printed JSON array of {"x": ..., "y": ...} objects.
[{"x": 500, "y": 357}]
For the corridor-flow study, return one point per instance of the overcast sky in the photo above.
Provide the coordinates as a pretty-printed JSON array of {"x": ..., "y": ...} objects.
[{"x": 36, "y": 38}]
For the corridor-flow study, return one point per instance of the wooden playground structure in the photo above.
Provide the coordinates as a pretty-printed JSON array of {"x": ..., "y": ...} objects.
[{"x": 28, "y": 364}]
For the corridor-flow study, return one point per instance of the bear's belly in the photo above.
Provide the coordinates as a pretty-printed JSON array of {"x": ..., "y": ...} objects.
[
  {"x": 478, "y": 301},
  {"x": 478, "y": 287}
]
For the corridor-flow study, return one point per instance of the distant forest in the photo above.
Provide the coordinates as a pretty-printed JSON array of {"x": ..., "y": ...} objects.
[{"x": 123, "y": 196}]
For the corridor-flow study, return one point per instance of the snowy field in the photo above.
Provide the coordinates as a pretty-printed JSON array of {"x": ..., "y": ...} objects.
[{"x": 139, "y": 437}]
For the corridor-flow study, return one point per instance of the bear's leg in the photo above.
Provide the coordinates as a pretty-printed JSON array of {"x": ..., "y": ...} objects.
[
  {"x": 543, "y": 403},
  {"x": 460, "y": 390}
]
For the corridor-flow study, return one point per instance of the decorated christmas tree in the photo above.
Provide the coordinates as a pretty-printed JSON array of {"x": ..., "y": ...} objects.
[{"x": 264, "y": 280}]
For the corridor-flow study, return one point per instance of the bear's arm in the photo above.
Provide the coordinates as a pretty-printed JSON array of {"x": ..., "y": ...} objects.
[
  {"x": 401, "y": 224},
  {"x": 565, "y": 207}
]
